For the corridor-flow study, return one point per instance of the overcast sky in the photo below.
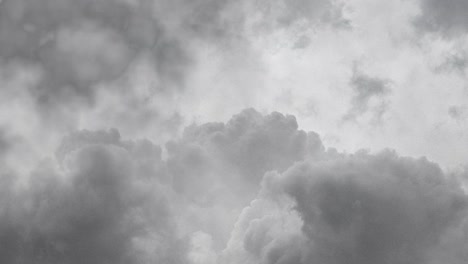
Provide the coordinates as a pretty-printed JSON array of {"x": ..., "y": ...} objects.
[{"x": 233, "y": 132}]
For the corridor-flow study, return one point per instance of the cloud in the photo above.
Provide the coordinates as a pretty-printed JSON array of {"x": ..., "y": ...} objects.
[
  {"x": 89, "y": 55},
  {"x": 250, "y": 144},
  {"x": 99, "y": 208},
  {"x": 457, "y": 62},
  {"x": 86, "y": 59},
  {"x": 368, "y": 95},
  {"x": 5, "y": 142},
  {"x": 255, "y": 189},
  {"x": 358, "y": 208},
  {"x": 217, "y": 167},
  {"x": 448, "y": 17},
  {"x": 78, "y": 45},
  {"x": 284, "y": 14},
  {"x": 458, "y": 113},
  {"x": 105, "y": 199}
]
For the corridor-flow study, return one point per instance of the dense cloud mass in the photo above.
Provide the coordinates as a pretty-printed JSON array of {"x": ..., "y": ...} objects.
[
  {"x": 182, "y": 132},
  {"x": 358, "y": 208},
  {"x": 103, "y": 199},
  {"x": 97, "y": 205}
]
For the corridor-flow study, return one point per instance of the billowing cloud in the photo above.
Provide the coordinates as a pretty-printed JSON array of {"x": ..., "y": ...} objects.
[
  {"x": 252, "y": 143},
  {"x": 99, "y": 207},
  {"x": 358, "y": 208},
  {"x": 255, "y": 189},
  {"x": 217, "y": 167},
  {"x": 104, "y": 199}
]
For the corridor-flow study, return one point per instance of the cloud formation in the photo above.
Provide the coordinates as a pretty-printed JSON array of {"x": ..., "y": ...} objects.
[
  {"x": 99, "y": 207},
  {"x": 252, "y": 190},
  {"x": 181, "y": 180},
  {"x": 104, "y": 199},
  {"x": 358, "y": 208}
]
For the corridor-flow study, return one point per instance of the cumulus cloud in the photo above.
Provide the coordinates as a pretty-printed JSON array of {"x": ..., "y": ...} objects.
[
  {"x": 100, "y": 207},
  {"x": 255, "y": 189},
  {"x": 105, "y": 199},
  {"x": 218, "y": 167},
  {"x": 254, "y": 143},
  {"x": 358, "y": 208}
]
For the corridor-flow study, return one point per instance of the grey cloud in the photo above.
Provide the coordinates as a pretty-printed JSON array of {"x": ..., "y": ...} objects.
[
  {"x": 457, "y": 62},
  {"x": 110, "y": 200},
  {"x": 82, "y": 48},
  {"x": 367, "y": 209},
  {"x": 218, "y": 167},
  {"x": 250, "y": 144},
  {"x": 458, "y": 113},
  {"x": 81, "y": 43},
  {"x": 287, "y": 13},
  {"x": 366, "y": 89},
  {"x": 11, "y": 146},
  {"x": 100, "y": 209},
  {"x": 114, "y": 200},
  {"x": 446, "y": 17},
  {"x": 212, "y": 19},
  {"x": 5, "y": 142}
]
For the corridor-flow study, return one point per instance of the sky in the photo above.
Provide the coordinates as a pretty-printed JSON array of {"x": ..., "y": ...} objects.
[{"x": 229, "y": 132}]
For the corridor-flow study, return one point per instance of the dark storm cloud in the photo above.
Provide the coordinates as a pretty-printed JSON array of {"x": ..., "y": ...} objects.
[
  {"x": 366, "y": 90},
  {"x": 360, "y": 209},
  {"x": 446, "y": 17}
]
